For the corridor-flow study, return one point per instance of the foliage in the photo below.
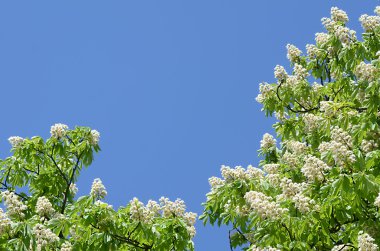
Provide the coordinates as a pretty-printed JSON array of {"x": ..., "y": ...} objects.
[
  {"x": 320, "y": 189},
  {"x": 43, "y": 213}
]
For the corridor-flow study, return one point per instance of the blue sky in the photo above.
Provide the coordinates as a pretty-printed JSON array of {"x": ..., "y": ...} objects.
[{"x": 169, "y": 84}]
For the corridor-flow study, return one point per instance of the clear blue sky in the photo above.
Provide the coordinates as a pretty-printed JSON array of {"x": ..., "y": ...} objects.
[{"x": 170, "y": 85}]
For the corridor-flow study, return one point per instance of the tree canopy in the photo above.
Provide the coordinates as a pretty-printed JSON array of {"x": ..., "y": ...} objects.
[
  {"x": 319, "y": 188},
  {"x": 43, "y": 213}
]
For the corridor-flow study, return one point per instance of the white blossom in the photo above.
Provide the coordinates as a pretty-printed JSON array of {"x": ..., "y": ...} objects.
[
  {"x": 312, "y": 50},
  {"x": 73, "y": 189},
  {"x": 377, "y": 201},
  {"x": 377, "y": 10},
  {"x": 15, "y": 141},
  {"x": 253, "y": 173},
  {"x": 280, "y": 73},
  {"x": 215, "y": 182},
  {"x": 66, "y": 246},
  {"x": 327, "y": 107},
  {"x": 329, "y": 24},
  {"x": 138, "y": 212},
  {"x": 340, "y": 152},
  {"x": 339, "y": 15},
  {"x": 15, "y": 207},
  {"x": 368, "y": 145},
  {"x": 95, "y": 136},
  {"x": 264, "y": 205},
  {"x": 321, "y": 38},
  {"x": 265, "y": 92},
  {"x": 58, "y": 130},
  {"x": 296, "y": 147},
  {"x": 339, "y": 135},
  {"x": 314, "y": 168},
  {"x": 170, "y": 208},
  {"x": 369, "y": 23},
  {"x": 293, "y": 52},
  {"x": 291, "y": 159},
  {"x": 302, "y": 203},
  {"x": 366, "y": 242},
  {"x": 271, "y": 168},
  {"x": 44, "y": 207},
  {"x": 311, "y": 121},
  {"x": 300, "y": 72},
  {"x": 98, "y": 190},
  {"x": 290, "y": 188},
  {"x": 268, "y": 142},
  {"x": 5, "y": 222},
  {"x": 44, "y": 237},
  {"x": 366, "y": 71}
]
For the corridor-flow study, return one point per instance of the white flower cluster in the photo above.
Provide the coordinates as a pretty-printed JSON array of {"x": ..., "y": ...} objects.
[
  {"x": 44, "y": 207},
  {"x": 271, "y": 168},
  {"x": 366, "y": 71},
  {"x": 44, "y": 237},
  {"x": 73, "y": 189},
  {"x": 291, "y": 159},
  {"x": 369, "y": 23},
  {"x": 290, "y": 189},
  {"x": 172, "y": 208},
  {"x": 302, "y": 203},
  {"x": 273, "y": 179},
  {"x": 339, "y": 15},
  {"x": 366, "y": 242},
  {"x": 5, "y": 222},
  {"x": 15, "y": 141},
  {"x": 296, "y": 147},
  {"x": 345, "y": 35},
  {"x": 339, "y": 135},
  {"x": 368, "y": 145},
  {"x": 377, "y": 10},
  {"x": 268, "y": 142},
  {"x": 15, "y": 207},
  {"x": 255, "y": 248},
  {"x": 265, "y": 92},
  {"x": 291, "y": 81},
  {"x": 313, "y": 168},
  {"x": 377, "y": 201},
  {"x": 311, "y": 121},
  {"x": 253, "y": 173},
  {"x": 293, "y": 53},
  {"x": 58, "y": 130},
  {"x": 312, "y": 50},
  {"x": 98, "y": 190},
  {"x": 329, "y": 24},
  {"x": 139, "y": 212},
  {"x": 239, "y": 173},
  {"x": 215, "y": 182},
  {"x": 321, "y": 38},
  {"x": 340, "y": 152},
  {"x": 327, "y": 107},
  {"x": 95, "y": 136},
  {"x": 334, "y": 26},
  {"x": 300, "y": 72},
  {"x": 66, "y": 246},
  {"x": 264, "y": 205},
  {"x": 190, "y": 219},
  {"x": 280, "y": 73}
]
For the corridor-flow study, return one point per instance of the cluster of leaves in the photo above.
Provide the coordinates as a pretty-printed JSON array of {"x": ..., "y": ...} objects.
[
  {"x": 50, "y": 169},
  {"x": 339, "y": 91}
]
